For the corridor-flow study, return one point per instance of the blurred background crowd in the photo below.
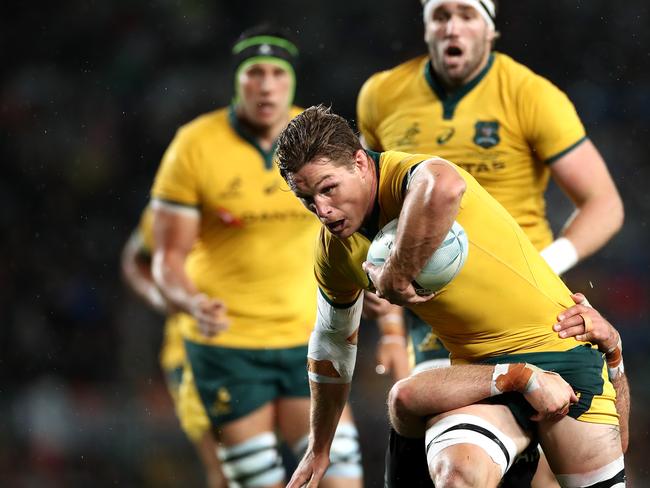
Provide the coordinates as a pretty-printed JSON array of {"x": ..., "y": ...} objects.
[{"x": 92, "y": 92}]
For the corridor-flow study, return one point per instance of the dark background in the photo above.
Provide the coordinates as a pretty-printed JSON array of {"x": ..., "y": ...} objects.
[{"x": 90, "y": 95}]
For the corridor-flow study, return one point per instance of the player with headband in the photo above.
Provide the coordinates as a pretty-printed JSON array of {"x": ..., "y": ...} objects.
[{"x": 233, "y": 252}]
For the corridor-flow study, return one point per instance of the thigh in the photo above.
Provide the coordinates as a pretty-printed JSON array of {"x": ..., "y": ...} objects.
[
  {"x": 573, "y": 446},
  {"x": 257, "y": 422}
]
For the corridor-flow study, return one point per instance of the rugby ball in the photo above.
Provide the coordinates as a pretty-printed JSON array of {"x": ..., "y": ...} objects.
[{"x": 445, "y": 263}]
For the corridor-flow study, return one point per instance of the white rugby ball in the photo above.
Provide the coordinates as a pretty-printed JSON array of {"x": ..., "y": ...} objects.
[{"x": 445, "y": 263}]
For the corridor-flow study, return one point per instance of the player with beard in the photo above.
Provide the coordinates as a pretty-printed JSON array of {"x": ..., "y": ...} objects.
[{"x": 233, "y": 252}]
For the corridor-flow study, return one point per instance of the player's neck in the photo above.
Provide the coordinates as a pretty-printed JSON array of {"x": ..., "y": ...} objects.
[
  {"x": 373, "y": 183},
  {"x": 264, "y": 135}
]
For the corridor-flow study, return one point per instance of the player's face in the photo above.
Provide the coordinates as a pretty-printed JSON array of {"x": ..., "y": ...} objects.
[
  {"x": 265, "y": 90},
  {"x": 340, "y": 195},
  {"x": 459, "y": 42}
]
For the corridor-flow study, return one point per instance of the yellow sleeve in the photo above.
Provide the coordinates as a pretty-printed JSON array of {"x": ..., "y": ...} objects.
[
  {"x": 549, "y": 119},
  {"x": 177, "y": 179},
  {"x": 394, "y": 172},
  {"x": 367, "y": 113},
  {"x": 332, "y": 270},
  {"x": 145, "y": 230}
]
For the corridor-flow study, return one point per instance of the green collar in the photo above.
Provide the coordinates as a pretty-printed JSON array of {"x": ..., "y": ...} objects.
[
  {"x": 450, "y": 100},
  {"x": 370, "y": 226},
  {"x": 242, "y": 132}
]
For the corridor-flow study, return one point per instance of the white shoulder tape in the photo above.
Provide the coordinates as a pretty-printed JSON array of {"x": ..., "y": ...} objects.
[{"x": 329, "y": 339}]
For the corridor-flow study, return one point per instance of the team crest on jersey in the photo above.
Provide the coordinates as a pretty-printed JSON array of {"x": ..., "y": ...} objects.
[
  {"x": 221, "y": 405},
  {"x": 487, "y": 134}
]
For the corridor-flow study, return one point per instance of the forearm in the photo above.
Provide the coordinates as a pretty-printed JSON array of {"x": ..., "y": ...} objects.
[
  {"x": 145, "y": 288},
  {"x": 594, "y": 223},
  {"x": 444, "y": 389},
  {"x": 429, "y": 210},
  {"x": 172, "y": 280},
  {"x": 623, "y": 407},
  {"x": 391, "y": 323},
  {"x": 327, "y": 403}
]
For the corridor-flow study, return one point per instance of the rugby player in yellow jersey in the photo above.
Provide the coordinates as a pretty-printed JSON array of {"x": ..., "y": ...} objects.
[
  {"x": 234, "y": 252},
  {"x": 496, "y": 311},
  {"x": 507, "y": 126},
  {"x": 136, "y": 269}
]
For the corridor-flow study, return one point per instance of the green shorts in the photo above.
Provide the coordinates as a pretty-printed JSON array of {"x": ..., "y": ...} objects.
[
  {"x": 234, "y": 382},
  {"x": 583, "y": 368},
  {"x": 424, "y": 344}
]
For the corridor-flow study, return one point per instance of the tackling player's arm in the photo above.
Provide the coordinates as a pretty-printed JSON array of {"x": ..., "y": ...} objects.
[
  {"x": 414, "y": 400},
  {"x": 136, "y": 271},
  {"x": 175, "y": 231},
  {"x": 331, "y": 359},
  {"x": 583, "y": 176},
  {"x": 430, "y": 207},
  {"x": 586, "y": 324}
]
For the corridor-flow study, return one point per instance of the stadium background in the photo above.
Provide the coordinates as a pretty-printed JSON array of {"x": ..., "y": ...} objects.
[{"x": 90, "y": 95}]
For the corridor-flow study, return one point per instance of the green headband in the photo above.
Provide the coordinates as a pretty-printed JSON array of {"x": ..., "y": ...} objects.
[{"x": 272, "y": 40}]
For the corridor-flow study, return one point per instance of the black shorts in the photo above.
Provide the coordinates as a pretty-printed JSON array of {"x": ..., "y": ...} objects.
[{"x": 406, "y": 465}]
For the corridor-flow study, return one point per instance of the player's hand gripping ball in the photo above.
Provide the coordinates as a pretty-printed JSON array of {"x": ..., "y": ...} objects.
[{"x": 443, "y": 266}]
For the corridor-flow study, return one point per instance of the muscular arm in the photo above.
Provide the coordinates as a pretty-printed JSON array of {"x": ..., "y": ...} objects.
[
  {"x": 174, "y": 235},
  {"x": 583, "y": 176},
  {"x": 430, "y": 207},
  {"x": 415, "y": 399},
  {"x": 136, "y": 271}
]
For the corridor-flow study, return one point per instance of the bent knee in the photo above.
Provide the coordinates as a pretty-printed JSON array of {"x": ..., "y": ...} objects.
[
  {"x": 462, "y": 466},
  {"x": 400, "y": 401}
]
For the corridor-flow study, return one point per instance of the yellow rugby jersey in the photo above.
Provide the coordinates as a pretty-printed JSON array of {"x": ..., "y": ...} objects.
[
  {"x": 256, "y": 240},
  {"x": 172, "y": 351},
  {"x": 504, "y": 300},
  {"x": 505, "y": 127}
]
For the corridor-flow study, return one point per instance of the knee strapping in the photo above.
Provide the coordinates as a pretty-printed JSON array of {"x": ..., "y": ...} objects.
[
  {"x": 345, "y": 454},
  {"x": 470, "y": 429},
  {"x": 610, "y": 476},
  {"x": 252, "y": 463}
]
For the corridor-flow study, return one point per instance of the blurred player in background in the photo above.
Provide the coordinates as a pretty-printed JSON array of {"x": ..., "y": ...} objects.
[
  {"x": 508, "y": 127},
  {"x": 136, "y": 269},
  {"x": 234, "y": 253}
]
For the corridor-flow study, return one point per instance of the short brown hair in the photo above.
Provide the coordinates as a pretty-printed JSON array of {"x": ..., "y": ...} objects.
[{"x": 317, "y": 132}]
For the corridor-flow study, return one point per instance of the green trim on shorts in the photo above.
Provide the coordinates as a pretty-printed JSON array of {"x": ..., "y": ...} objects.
[
  {"x": 581, "y": 367},
  {"x": 234, "y": 382}
]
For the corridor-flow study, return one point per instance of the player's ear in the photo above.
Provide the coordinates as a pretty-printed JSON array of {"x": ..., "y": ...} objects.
[{"x": 361, "y": 161}]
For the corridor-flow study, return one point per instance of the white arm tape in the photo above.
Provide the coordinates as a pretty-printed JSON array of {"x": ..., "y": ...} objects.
[
  {"x": 328, "y": 341},
  {"x": 560, "y": 255}
]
